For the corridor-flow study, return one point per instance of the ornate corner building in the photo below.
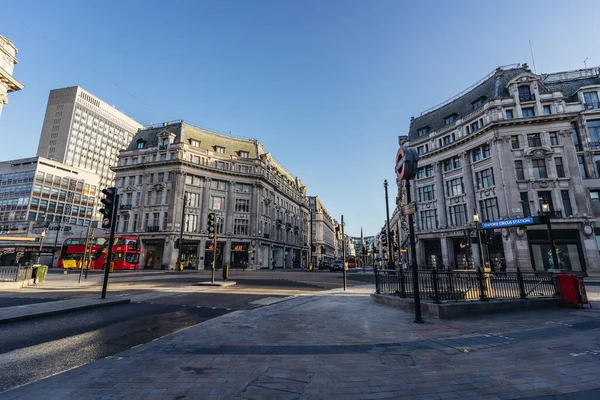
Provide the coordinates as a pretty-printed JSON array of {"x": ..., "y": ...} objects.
[
  {"x": 261, "y": 208},
  {"x": 322, "y": 231},
  {"x": 504, "y": 146},
  {"x": 8, "y": 60}
]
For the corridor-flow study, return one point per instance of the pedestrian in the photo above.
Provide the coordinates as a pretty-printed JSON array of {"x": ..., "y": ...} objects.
[{"x": 273, "y": 263}]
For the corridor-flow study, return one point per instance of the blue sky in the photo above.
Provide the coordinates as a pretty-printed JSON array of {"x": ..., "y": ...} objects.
[{"x": 326, "y": 86}]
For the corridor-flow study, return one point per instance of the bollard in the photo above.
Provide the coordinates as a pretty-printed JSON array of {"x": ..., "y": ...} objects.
[{"x": 225, "y": 272}]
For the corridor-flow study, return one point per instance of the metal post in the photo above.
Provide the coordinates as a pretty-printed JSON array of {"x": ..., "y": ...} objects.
[
  {"x": 481, "y": 254},
  {"x": 343, "y": 253},
  {"x": 310, "y": 252},
  {"x": 552, "y": 244},
  {"x": 110, "y": 245},
  {"x": 85, "y": 250},
  {"x": 413, "y": 259},
  {"x": 89, "y": 256},
  {"x": 482, "y": 288},
  {"x": 42, "y": 236},
  {"x": 390, "y": 246},
  {"x": 215, "y": 244},
  {"x": 56, "y": 238},
  {"x": 522, "y": 293},
  {"x": 436, "y": 290},
  {"x": 181, "y": 231}
]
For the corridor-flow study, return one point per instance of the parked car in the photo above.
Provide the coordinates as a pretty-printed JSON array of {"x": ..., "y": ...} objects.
[
  {"x": 337, "y": 265},
  {"x": 325, "y": 265}
]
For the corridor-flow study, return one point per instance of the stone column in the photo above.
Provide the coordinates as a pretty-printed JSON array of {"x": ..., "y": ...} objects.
[
  {"x": 580, "y": 206},
  {"x": 205, "y": 206},
  {"x": 254, "y": 203},
  {"x": 440, "y": 194},
  {"x": 447, "y": 253},
  {"x": 170, "y": 253},
  {"x": 201, "y": 253},
  {"x": 227, "y": 252},
  {"x": 469, "y": 185},
  {"x": 497, "y": 149},
  {"x": 230, "y": 209}
]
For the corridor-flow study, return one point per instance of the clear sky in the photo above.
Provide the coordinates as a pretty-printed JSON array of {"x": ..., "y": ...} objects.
[{"x": 326, "y": 85}]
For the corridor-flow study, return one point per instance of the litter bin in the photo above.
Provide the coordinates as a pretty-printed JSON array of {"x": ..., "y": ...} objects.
[
  {"x": 180, "y": 266},
  {"x": 112, "y": 266},
  {"x": 225, "y": 272},
  {"x": 572, "y": 290}
]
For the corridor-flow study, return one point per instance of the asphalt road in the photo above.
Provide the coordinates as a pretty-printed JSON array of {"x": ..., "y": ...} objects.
[{"x": 34, "y": 349}]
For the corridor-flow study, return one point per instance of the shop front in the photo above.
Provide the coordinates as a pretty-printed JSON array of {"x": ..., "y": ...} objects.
[
  {"x": 433, "y": 253},
  {"x": 189, "y": 255},
  {"x": 209, "y": 252},
  {"x": 239, "y": 255},
  {"x": 568, "y": 250},
  {"x": 297, "y": 258},
  {"x": 153, "y": 254},
  {"x": 463, "y": 258}
]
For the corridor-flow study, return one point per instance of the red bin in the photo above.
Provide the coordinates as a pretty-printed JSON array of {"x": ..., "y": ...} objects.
[{"x": 572, "y": 289}]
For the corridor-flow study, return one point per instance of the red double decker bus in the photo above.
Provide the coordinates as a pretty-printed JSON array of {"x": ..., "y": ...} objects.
[{"x": 126, "y": 253}]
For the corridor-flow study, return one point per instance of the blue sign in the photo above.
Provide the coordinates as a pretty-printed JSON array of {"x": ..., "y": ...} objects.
[{"x": 507, "y": 222}]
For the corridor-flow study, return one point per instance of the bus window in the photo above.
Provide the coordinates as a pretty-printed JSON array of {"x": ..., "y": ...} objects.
[
  {"x": 132, "y": 258},
  {"x": 133, "y": 245}
]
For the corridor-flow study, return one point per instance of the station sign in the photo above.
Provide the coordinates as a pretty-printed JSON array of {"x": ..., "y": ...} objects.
[{"x": 507, "y": 223}]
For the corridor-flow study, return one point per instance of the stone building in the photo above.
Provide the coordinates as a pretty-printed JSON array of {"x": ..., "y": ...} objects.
[
  {"x": 323, "y": 232},
  {"x": 83, "y": 131},
  {"x": 261, "y": 208},
  {"x": 503, "y": 147},
  {"x": 8, "y": 60}
]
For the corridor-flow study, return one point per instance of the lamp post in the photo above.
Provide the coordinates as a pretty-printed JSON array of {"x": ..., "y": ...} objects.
[
  {"x": 42, "y": 236},
  {"x": 185, "y": 199},
  {"x": 478, "y": 231},
  {"x": 387, "y": 227},
  {"x": 547, "y": 213}
]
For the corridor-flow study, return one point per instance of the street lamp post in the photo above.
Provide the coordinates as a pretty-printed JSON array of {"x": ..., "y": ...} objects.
[
  {"x": 178, "y": 267},
  {"x": 387, "y": 227},
  {"x": 478, "y": 231},
  {"x": 547, "y": 213},
  {"x": 42, "y": 236}
]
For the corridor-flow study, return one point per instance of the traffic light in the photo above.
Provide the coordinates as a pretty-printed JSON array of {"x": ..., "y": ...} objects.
[
  {"x": 212, "y": 220},
  {"x": 177, "y": 243},
  {"x": 108, "y": 211}
]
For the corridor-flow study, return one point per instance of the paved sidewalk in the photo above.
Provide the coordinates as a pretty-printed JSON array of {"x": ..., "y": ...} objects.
[
  {"x": 335, "y": 345},
  {"x": 36, "y": 310}
]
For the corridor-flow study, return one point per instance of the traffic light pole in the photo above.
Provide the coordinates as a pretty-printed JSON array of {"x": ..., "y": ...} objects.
[
  {"x": 212, "y": 279},
  {"x": 344, "y": 254},
  {"x": 110, "y": 244},
  {"x": 413, "y": 258},
  {"x": 178, "y": 266},
  {"x": 390, "y": 246}
]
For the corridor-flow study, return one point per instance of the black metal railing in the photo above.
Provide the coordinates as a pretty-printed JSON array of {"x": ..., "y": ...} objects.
[
  {"x": 467, "y": 285},
  {"x": 125, "y": 207},
  {"x": 527, "y": 97},
  {"x": 19, "y": 274}
]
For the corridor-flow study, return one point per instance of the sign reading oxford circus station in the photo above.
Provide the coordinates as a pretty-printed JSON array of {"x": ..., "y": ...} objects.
[{"x": 506, "y": 223}]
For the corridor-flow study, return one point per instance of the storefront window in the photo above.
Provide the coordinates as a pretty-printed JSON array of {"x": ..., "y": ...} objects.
[{"x": 568, "y": 250}]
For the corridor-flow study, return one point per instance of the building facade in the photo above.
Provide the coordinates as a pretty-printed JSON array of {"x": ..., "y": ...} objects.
[
  {"x": 323, "y": 240},
  {"x": 500, "y": 149},
  {"x": 261, "y": 208},
  {"x": 8, "y": 60},
  {"x": 83, "y": 131},
  {"x": 38, "y": 194}
]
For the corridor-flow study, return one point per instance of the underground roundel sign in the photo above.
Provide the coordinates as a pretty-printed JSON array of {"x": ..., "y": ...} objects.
[{"x": 406, "y": 163}]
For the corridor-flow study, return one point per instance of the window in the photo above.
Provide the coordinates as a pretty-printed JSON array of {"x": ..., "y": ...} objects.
[
  {"x": 191, "y": 222},
  {"x": 170, "y": 177},
  {"x": 525, "y": 204},
  {"x": 194, "y": 143},
  {"x": 146, "y": 219},
  {"x": 135, "y": 222},
  {"x": 446, "y": 140},
  {"x": 450, "y": 119},
  {"x": 220, "y": 149},
  {"x": 423, "y": 131},
  {"x": 509, "y": 114},
  {"x": 528, "y": 112},
  {"x": 134, "y": 161},
  {"x": 220, "y": 185},
  {"x": 149, "y": 198},
  {"x": 560, "y": 169},
  {"x": 575, "y": 136},
  {"x": 168, "y": 196},
  {"x": 140, "y": 144},
  {"x": 155, "y": 219},
  {"x": 151, "y": 177},
  {"x": 525, "y": 94},
  {"x": 455, "y": 187},
  {"x": 219, "y": 165},
  {"x": 594, "y": 131},
  {"x": 514, "y": 141},
  {"x": 217, "y": 203},
  {"x": 427, "y": 193},
  {"x": 545, "y": 196},
  {"x": 132, "y": 181},
  {"x": 163, "y": 157},
  {"x": 486, "y": 151},
  {"x": 240, "y": 226},
  {"x": 519, "y": 170},
  {"x": 244, "y": 154},
  {"x": 458, "y": 215},
  {"x": 429, "y": 219},
  {"x": 547, "y": 110},
  {"x": 485, "y": 178},
  {"x": 125, "y": 227},
  {"x": 477, "y": 103},
  {"x": 242, "y": 188},
  {"x": 553, "y": 138},
  {"x": 591, "y": 100},
  {"x": 566, "y": 200},
  {"x": 165, "y": 220},
  {"x": 595, "y": 198},
  {"x": 476, "y": 154},
  {"x": 423, "y": 149},
  {"x": 475, "y": 126},
  {"x": 161, "y": 177},
  {"x": 582, "y": 169},
  {"x": 539, "y": 168},
  {"x": 489, "y": 209},
  {"x": 597, "y": 162},
  {"x": 242, "y": 205},
  {"x": 159, "y": 196},
  {"x": 534, "y": 140}
]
